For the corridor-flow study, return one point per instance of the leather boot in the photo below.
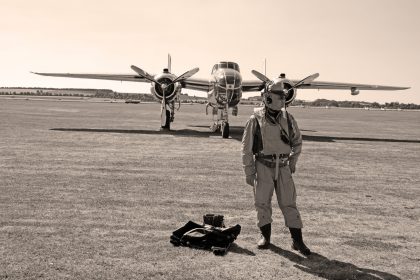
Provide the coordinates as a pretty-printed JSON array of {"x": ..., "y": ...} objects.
[
  {"x": 298, "y": 241},
  {"x": 264, "y": 242}
]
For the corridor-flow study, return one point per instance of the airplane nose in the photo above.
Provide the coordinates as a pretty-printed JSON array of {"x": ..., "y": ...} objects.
[
  {"x": 229, "y": 82},
  {"x": 227, "y": 86}
]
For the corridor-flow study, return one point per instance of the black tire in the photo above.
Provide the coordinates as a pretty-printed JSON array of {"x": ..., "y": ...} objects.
[{"x": 225, "y": 130}]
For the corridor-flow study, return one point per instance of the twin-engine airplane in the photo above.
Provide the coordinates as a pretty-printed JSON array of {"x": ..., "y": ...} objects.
[{"x": 224, "y": 88}]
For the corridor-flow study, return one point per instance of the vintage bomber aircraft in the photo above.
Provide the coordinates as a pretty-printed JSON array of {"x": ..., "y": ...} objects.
[{"x": 224, "y": 88}]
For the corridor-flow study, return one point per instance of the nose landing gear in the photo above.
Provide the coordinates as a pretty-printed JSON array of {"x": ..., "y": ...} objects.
[{"x": 221, "y": 123}]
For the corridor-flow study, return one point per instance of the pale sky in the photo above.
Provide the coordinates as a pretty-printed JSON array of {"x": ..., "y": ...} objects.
[{"x": 359, "y": 41}]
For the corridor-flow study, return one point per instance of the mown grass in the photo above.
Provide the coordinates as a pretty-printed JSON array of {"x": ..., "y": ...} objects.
[{"x": 93, "y": 191}]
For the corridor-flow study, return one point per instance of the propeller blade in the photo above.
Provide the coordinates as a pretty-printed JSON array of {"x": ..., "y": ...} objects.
[
  {"x": 308, "y": 79},
  {"x": 186, "y": 75},
  {"x": 169, "y": 63},
  {"x": 260, "y": 76},
  {"x": 143, "y": 74},
  {"x": 163, "y": 110}
]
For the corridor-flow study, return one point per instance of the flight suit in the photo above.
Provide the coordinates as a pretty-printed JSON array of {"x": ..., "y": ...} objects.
[{"x": 262, "y": 163}]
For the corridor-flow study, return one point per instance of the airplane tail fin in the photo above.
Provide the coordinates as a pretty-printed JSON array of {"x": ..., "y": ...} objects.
[{"x": 169, "y": 63}]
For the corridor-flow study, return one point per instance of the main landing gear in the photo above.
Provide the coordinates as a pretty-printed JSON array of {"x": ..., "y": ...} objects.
[
  {"x": 167, "y": 125},
  {"x": 167, "y": 116}
]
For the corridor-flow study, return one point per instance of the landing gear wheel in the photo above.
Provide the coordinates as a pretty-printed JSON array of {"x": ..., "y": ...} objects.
[
  {"x": 215, "y": 127},
  {"x": 225, "y": 130},
  {"x": 167, "y": 125}
]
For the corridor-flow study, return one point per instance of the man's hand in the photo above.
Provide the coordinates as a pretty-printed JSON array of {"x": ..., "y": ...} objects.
[
  {"x": 292, "y": 164},
  {"x": 250, "y": 179},
  {"x": 292, "y": 168}
]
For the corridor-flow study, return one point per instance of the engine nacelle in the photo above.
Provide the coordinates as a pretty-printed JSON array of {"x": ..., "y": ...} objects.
[
  {"x": 171, "y": 91},
  {"x": 354, "y": 91},
  {"x": 285, "y": 84}
]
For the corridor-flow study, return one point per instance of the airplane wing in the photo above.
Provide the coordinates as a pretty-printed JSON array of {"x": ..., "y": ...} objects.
[
  {"x": 190, "y": 83},
  {"x": 115, "y": 77},
  {"x": 332, "y": 85},
  {"x": 196, "y": 84},
  {"x": 252, "y": 85}
]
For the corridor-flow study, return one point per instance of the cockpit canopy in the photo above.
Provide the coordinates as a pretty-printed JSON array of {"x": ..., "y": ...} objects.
[{"x": 225, "y": 64}]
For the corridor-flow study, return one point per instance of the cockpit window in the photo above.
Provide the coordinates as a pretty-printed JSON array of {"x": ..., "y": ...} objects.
[
  {"x": 222, "y": 65},
  {"x": 225, "y": 64},
  {"x": 233, "y": 65}
]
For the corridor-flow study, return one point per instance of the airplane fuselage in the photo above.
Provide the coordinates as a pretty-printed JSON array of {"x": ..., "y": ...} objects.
[{"x": 225, "y": 85}]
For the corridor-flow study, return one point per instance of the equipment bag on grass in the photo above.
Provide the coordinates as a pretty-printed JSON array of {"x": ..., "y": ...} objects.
[{"x": 216, "y": 239}]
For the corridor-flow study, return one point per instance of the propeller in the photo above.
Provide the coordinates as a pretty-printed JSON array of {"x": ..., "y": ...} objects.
[
  {"x": 267, "y": 81},
  {"x": 308, "y": 79},
  {"x": 144, "y": 74},
  {"x": 186, "y": 75},
  {"x": 150, "y": 78},
  {"x": 164, "y": 86},
  {"x": 163, "y": 108},
  {"x": 261, "y": 76}
]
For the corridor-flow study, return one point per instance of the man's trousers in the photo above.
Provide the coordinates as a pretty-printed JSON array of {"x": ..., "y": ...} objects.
[{"x": 286, "y": 195}]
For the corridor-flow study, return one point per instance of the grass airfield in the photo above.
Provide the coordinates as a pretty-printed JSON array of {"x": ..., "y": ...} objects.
[{"x": 92, "y": 190}]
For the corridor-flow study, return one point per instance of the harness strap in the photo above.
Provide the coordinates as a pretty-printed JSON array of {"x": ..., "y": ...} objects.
[{"x": 277, "y": 168}]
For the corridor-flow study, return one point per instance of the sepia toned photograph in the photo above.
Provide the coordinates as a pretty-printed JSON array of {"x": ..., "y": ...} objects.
[{"x": 191, "y": 140}]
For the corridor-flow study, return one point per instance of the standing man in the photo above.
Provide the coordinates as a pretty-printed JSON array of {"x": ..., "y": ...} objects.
[{"x": 271, "y": 145}]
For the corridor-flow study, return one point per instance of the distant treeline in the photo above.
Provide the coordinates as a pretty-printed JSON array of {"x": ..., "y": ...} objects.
[
  {"x": 121, "y": 95},
  {"x": 44, "y": 88},
  {"x": 91, "y": 93},
  {"x": 354, "y": 104},
  {"x": 53, "y": 91},
  {"x": 147, "y": 97},
  {"x": 256, "y": 100},
  {"x": 79, "y": 93}
]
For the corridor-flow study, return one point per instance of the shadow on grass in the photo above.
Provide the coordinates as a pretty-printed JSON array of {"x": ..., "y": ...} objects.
[
  {"x": 323, "y": 267},
  {"x": 234, "y": 133},
  {"x": 235, "y": 248},
  {"x": 241, "y": 127},
  {"x": 314, "y": 138}
]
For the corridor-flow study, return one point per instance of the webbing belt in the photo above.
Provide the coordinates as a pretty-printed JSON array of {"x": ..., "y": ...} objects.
[
  {"x": 273, "y": 157},
  {"x": 272, "y": 164},
  {"x": 279, "y": 160}
]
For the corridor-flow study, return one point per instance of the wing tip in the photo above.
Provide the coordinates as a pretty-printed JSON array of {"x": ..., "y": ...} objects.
[{"x": 400, "y": 88}]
